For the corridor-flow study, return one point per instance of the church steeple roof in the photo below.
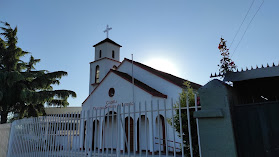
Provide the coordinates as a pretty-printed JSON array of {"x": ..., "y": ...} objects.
[{"x": 107, "y": 40}]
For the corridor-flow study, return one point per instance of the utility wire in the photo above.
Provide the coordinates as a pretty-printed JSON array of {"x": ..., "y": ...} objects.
[
  {"x": 242, "y": 23},
  {"x": 247, "y": 28}
]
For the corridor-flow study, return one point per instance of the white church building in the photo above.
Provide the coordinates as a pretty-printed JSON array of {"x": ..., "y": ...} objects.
[{"x": 136, "y": 88}]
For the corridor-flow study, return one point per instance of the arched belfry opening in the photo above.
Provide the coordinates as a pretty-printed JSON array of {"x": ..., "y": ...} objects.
[{"x": 97, "y": 74}]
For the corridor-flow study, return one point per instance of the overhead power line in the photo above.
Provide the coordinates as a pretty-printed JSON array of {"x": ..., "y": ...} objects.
[
  {"x": 247, "y": 27},
  {"x": 242, "y": 23}
]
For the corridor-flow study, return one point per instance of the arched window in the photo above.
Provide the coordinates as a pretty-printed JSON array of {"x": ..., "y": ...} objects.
[
  {"x": 112, "y": 54},
  {"x": 97, "y": 72},
  {"x": 100, "y": 54}
]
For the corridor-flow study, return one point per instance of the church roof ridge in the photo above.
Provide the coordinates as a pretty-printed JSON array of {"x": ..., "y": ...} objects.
[
  {"x": 169, "y": 77},
  {"x": 107, "y": 40},
  {"x": 140, "y": 84},
  {"x": 104, "y": 58}
]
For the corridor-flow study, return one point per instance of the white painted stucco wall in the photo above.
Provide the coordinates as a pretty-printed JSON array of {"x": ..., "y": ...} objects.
[
  {"x": 154, "y": 81},
  {"x": 104, "y": 66},
  {"x": 107, "y": 49},
  {"x": 123, "y": 93}
]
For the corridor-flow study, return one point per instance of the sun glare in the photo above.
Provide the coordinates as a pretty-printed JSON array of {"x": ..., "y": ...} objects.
[{"x": 164, "y": 65}]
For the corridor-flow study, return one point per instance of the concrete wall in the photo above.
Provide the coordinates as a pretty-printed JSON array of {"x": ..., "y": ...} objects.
[
  {"x": 4, "y": 139},
  {"x": 215, "y": 122}
]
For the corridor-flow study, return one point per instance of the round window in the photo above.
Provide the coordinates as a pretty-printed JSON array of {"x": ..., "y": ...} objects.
[{"x": 111, "y": 92}]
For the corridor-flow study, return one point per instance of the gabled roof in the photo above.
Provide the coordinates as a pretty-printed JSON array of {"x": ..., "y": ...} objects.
[
  {"x": 137, "y": 83},
  {"x": 107, "y": 40},
  {"x": 171, "y": 78},
  {"x": 105, "y": 58},
  {"x": 140, "y": 84}
]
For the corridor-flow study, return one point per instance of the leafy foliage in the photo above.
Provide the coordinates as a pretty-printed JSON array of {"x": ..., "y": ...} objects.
[
  {"x": 226, "y": 64},
  {"x": 189, "y": 94},
  {"x": 24, "y": 90}
]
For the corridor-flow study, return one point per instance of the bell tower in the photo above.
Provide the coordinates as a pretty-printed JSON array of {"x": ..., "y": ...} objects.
[{"x": 107, "y": 56}]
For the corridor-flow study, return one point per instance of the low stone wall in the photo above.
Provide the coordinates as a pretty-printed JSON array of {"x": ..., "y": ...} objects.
[{"x": 4, "y": 138}]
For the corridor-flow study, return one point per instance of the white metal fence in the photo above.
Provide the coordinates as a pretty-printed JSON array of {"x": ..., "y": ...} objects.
[{"x": 142, "y": 129}]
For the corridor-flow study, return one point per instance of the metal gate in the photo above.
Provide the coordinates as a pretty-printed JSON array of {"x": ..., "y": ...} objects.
[
  {"x": 256, "y": 129},
  {"x": 142, "y": 129}
]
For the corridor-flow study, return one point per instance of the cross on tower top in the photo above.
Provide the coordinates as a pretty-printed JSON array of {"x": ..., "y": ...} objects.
[{"x": 107, "y": 30}]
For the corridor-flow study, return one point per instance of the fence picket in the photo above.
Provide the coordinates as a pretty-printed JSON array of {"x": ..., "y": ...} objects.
[
  {"x": 124, "y": 132},
  {"x": 166, "y": 128},
  {"x": 198, "y": 129},
  {"x": 173, "y": 129},
  {"x": 106, "y": 130},
  {"x": 112, "y": 131},
  {"x": 139, "y": 133},
  {"x": 152, "y": 130},
  {"x": 146, "y": 137},
  {"x": 189, "y": 128},
  {"x": 134, "y": 128},
  {"x": 95, "y": 132},
  {"x": 159, "y": 118}
]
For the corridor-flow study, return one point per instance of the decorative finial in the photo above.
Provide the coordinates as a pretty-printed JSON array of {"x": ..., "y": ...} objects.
[
  {"x": 273, "y": 64},
  {"x": 107, "y": 30},
  {"x": 262, "y": 66},
  {"x": 267, "y": 65}
]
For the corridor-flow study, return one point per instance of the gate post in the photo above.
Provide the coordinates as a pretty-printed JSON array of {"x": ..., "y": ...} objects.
[{"x": 215, "y": 122}]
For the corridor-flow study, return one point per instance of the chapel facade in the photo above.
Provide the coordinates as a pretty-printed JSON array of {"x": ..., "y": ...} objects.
[{"x": 129, "y": 83}]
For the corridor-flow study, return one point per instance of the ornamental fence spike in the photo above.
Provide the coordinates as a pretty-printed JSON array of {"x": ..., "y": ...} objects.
[
  {"x": 251, "y": 67},
  {"x": 273, "y": 64},
  {"x": 257, "y": 67},
  {"x": 267, "y": 65},
  {"x": 262, "y": 66}
]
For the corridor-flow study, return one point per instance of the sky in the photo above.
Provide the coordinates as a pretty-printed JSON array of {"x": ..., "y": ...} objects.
[{"x": 179, "y": 36}]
